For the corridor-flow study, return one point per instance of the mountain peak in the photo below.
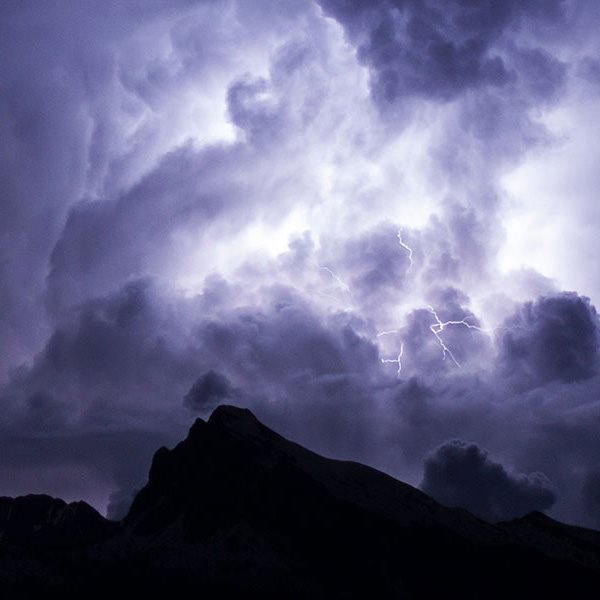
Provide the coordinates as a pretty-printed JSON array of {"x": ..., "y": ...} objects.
[
  {"x": 233, "y": 412},
  {"x": 230, "y": 415},
  {"x": 236, "y": 509},
  {"x": 233, "y": 456},
  {"x": 240, "y": 422}
]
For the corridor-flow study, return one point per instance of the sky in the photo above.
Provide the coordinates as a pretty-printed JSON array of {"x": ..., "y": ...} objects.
[{"x": 373, "y": 223}]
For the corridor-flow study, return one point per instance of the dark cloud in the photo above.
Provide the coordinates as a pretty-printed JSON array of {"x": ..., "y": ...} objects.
[
  {"x": 427, "y": 63},
  {"x": 208, "y": 391},
  {"x": 543, "y": 75},
  {"x": 114, "y": 353},
  {"x": 432, "y": 50},
  {"x": 284, "y": 340},
  {"x": 461, "y": 474},
  {"x": 553, "y": 338}
]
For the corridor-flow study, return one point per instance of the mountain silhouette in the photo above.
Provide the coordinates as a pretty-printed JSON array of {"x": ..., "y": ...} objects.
[{"x": 236, "y": 510}]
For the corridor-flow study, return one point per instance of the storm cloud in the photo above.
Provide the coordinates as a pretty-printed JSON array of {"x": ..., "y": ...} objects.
[
  {"x": 208, "y": 391},
  {"x": 415, "y": 48},
  {"x": 555, "y": 337},
  {"x": 462, "y": 474},
  {"x": 328, "y": 211}
]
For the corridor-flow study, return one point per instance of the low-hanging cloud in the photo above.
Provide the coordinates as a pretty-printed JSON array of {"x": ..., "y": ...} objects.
[
  {"x": 462, "y": 474},
  {"x": 208, "y": 391}
]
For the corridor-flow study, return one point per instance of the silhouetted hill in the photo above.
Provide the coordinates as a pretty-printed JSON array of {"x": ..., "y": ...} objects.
[
  {"x": 237, "y": 510},
  {"x": 40, "y": 520}
]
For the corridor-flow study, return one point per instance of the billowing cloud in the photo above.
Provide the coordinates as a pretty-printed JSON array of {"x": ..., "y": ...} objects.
[
  {"x": 315, "y": 209},
  {"x": 553, "y": 338},
  {"x": 208, "y": 391},
  {"x": 423, "y": 49},
  {"x": 462, "y": 474},
  {"x": 112, "y": 352}
]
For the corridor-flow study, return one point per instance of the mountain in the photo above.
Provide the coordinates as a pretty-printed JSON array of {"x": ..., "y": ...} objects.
[
  {"x": 236, "y": 510},
  {"x": 41, "y": 520}
]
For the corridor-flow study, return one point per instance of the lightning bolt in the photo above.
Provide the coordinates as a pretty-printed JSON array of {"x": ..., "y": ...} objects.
[
  {"x": 396, "y": 360},
  {"x": 341, "y": 283},
  {"x": 390, "y": 332},
  {"x": 409, "y": 253},
  {"x": 438, "y": 327},
  {"x": 407, "y": 248}
]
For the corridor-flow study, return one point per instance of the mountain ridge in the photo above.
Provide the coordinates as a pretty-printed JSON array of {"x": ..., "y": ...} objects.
[{"x": 236, "y": 508}]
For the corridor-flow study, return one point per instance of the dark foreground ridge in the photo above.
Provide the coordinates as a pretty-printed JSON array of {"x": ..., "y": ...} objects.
[{"x": 236, "y": 510}]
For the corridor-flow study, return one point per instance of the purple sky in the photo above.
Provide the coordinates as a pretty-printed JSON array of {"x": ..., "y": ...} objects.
[{"x": 373, "y": 222}]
